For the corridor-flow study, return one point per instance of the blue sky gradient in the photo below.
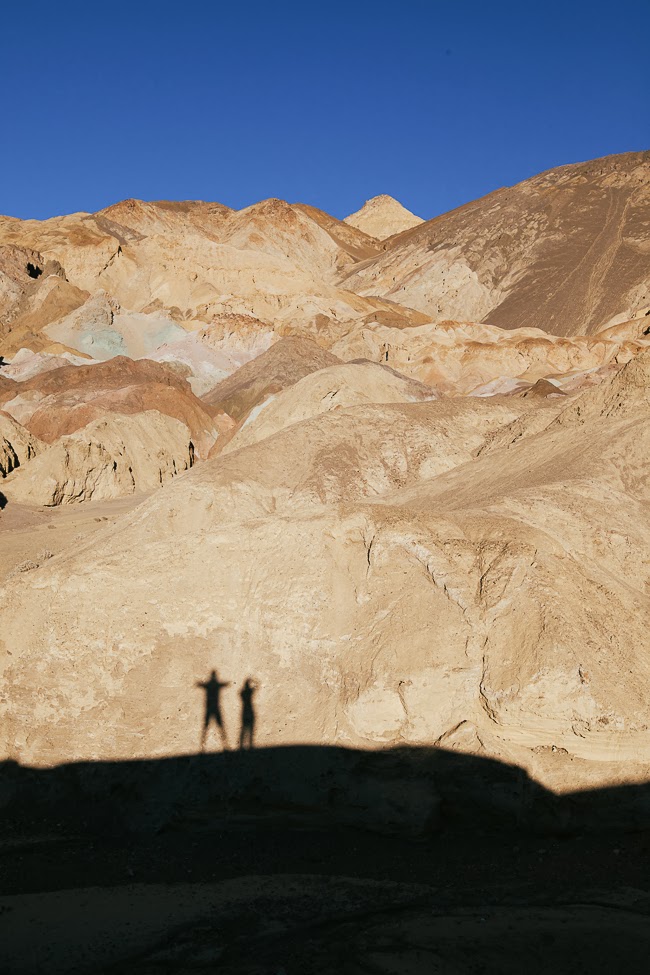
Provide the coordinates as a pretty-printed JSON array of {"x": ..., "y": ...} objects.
[{"x": 324, "y": 103}]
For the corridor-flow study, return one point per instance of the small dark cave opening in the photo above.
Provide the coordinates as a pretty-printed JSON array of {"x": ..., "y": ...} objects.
[{"x": 33, "y": 270}]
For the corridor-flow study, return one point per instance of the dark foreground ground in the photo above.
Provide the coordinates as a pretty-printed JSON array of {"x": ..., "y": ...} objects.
[{"x": 133, "y": 873}]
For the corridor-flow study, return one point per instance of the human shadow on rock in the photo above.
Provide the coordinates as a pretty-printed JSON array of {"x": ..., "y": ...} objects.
[
  {"x": 247, "y": 731},
  {"x": 212, "y": 711}
]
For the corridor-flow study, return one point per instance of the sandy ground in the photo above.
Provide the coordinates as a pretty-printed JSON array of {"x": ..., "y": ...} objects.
[{"x": 28, "y": 533}]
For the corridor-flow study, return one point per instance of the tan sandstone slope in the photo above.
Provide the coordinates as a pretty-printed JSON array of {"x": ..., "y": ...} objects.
[
  {"x": 109, "y": 458},
  {"x": 471, "y": 573},
  {"x": 332, "y": 388}
]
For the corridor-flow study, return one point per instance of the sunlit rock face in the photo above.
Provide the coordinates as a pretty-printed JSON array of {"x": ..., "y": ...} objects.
[
  {"x": 418, "y": 572},
  {"x": 111, "y": 457},
  {"x": 58, "y": 402},
  {"x": 270, "y": 445},
  {"x": 383, "y": 217}
]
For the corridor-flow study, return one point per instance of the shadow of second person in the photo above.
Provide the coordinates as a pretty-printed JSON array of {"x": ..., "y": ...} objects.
[{"x": 247, "y": 733}]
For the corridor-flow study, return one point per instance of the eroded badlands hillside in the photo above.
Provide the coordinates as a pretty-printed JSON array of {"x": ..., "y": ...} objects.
[
  {"x": 470, "y": 573},
  {"x": 567, "y": 251},
  {"x": 396, "y": 477}
]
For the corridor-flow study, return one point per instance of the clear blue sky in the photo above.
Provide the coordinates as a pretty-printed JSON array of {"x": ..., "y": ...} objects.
[{"x": 323, "y": 103}]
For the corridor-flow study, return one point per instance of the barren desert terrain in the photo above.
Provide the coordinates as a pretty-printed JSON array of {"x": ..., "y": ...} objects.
[{"x": 369, "y": 499}]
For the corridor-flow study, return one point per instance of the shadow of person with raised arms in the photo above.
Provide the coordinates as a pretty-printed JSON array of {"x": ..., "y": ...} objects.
[
  {"x": 247, "y": 714},
  {"x": 212, "y": 690}
]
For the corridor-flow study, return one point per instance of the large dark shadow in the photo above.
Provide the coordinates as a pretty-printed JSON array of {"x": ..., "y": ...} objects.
[
  {"x": 411, "y": 790},
  {"x": 329, "y": 843}
]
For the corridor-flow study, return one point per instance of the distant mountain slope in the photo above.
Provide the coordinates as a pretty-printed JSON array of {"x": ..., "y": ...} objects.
[
  {"x": 567, "y": 251},
  {"x": 382, "y": 217},
  {"x": 284, "y": 364},
  {"x": 191, "y": 260}
]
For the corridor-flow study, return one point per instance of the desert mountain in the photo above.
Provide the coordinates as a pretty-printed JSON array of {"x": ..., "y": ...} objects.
[
  {"x": 190, "y": 261},
  {"x": 419, "y": 505},
  {"x": 566, "y": 252},
  {"x": 382, "y": 217}
]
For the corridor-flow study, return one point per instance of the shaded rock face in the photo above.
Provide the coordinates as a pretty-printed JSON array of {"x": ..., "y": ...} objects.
[
  {"x": 565, "y": 251},
  {"x": 8, "y": 457},
  {"x": 19, "y": 268},
  {"x": 34, "y": 291},
  {"x": 109, "y": 458},
  {"x": 17, "y": 445}
]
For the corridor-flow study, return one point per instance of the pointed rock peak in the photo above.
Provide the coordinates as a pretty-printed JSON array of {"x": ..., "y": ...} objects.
[{"x": 382, "y": 217}]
